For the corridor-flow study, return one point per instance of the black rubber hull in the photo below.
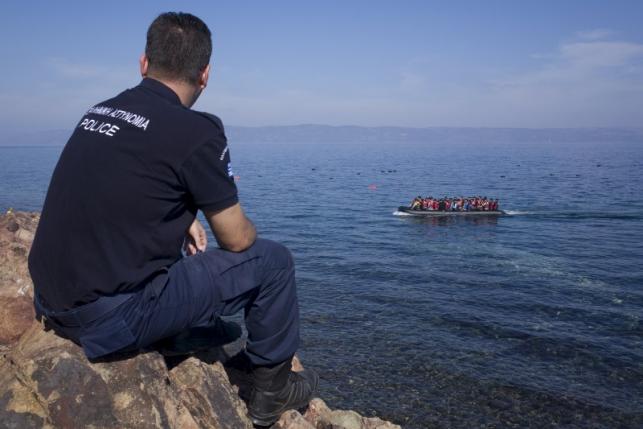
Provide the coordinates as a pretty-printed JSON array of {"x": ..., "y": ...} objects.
[{"x": 433, "y": 213}]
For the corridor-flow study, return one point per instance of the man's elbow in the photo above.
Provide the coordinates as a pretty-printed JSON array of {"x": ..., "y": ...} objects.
[
  {"x": 237, "y": 246},
  {"x": 232, "y": 229},
  {"x": 240, "y": 243}
]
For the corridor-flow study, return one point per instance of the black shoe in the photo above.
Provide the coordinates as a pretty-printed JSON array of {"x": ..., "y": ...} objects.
[
  {"x": 279, "y": 389},
  {"x": 201, "y": 338}
]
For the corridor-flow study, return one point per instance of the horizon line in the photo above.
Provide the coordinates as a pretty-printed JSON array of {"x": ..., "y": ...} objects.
[{"x": 429, "y": 127}]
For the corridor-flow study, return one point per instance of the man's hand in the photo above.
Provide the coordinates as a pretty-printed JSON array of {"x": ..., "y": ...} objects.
[{"x": 195, "y": 239}]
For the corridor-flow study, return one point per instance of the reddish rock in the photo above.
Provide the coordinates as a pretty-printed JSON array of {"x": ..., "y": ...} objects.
[
  {"x": 16, "y": 315},
  {"x": 17, "y": 230},
  {"x": 320, "y": 416},
  {"x": 293, "y": 420},
  {"x": 47, "y": 380}
]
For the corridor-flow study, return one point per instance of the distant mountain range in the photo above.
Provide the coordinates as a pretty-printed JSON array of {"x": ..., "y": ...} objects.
[
  {"x": 355, "y": 134},
  {"x": 352, "y": 134}
]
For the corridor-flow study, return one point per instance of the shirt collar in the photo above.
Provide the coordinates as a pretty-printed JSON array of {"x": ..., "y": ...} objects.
[{"x": 160, "y": 89}]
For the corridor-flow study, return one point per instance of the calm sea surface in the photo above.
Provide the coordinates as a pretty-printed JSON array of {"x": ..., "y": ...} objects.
[{"x": 527, "y": 320}]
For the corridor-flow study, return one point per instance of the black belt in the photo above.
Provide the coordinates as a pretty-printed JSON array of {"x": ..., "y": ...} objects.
[{"x": 83, "y": 315}]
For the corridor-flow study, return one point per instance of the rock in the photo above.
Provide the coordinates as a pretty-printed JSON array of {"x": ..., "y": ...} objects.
[
  {"x": 17, "y": 230},
  {"x": 293, "y": 420},
  {"x": 322, "y": 417},
  {"x": 12, "y": 226},
  {"x": 317, "y": 410},
  {"x": 208, "y": 395},
  {"x": 16, "y": 315},
  {"x": 329, "y": 419},
  {"x": 47, "y": 382}
]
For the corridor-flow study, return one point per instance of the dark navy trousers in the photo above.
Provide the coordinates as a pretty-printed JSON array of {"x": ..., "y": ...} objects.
[{"x": 197, "y": 289}]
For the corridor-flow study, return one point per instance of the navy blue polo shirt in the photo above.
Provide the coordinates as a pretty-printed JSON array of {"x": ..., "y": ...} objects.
[{"x": 127, "y": 186}]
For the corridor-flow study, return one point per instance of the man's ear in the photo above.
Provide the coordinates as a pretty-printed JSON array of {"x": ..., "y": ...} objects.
[
  {"x": 144, "y": 64},
  {"x": 205, "y": 75}
]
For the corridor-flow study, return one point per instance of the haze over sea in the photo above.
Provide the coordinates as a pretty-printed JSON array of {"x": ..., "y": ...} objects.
[{"x": 527, "y": 320}]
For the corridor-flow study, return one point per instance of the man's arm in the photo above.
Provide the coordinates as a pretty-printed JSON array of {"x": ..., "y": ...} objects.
[{"x": 232, "y": 229}]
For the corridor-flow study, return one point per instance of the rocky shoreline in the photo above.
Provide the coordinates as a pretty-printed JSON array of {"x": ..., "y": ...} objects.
[{"x": 46, "y": 381}]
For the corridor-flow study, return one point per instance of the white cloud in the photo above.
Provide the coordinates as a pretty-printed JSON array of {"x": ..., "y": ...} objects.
[
  {"x": 596, "y": 34},
  {"x": 580, "y": 62},
  {"x": 600, "y": 54},
  {"x": 582, "y": 83}
]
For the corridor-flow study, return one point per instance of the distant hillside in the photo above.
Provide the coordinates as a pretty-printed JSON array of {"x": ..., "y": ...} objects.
[
  {"x": 355, "y": 134},
  {"x": 351, "y": 134}
]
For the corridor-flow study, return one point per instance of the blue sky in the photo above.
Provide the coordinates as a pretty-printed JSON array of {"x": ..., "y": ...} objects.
[{"x": 405, "y": 63}]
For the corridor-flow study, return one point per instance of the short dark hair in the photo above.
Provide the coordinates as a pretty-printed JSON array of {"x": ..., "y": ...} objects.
[{"x": 178, "y": 46}]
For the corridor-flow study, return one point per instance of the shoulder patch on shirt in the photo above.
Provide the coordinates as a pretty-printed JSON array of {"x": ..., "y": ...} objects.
[{"x": 225, "y": 150}]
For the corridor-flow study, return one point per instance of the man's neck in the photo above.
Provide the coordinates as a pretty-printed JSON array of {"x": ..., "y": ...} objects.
[{"x": 186, "y": 92}]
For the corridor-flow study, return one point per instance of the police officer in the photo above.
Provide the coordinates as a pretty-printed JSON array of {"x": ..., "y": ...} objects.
[{"x": 106, "y": 261}]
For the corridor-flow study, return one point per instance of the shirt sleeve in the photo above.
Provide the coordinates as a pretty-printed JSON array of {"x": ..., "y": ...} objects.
[{"x": 208, "y": 178}]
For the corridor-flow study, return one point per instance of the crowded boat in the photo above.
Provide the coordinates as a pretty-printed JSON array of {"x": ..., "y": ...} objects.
[{"x": 454, "y": 204}]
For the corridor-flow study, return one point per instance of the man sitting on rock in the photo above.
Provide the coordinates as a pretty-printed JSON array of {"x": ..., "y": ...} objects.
[{"x": 106, "y": 261}]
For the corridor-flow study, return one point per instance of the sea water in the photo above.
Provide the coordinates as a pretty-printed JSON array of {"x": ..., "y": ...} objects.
[{"x": 532, "y": 319}]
